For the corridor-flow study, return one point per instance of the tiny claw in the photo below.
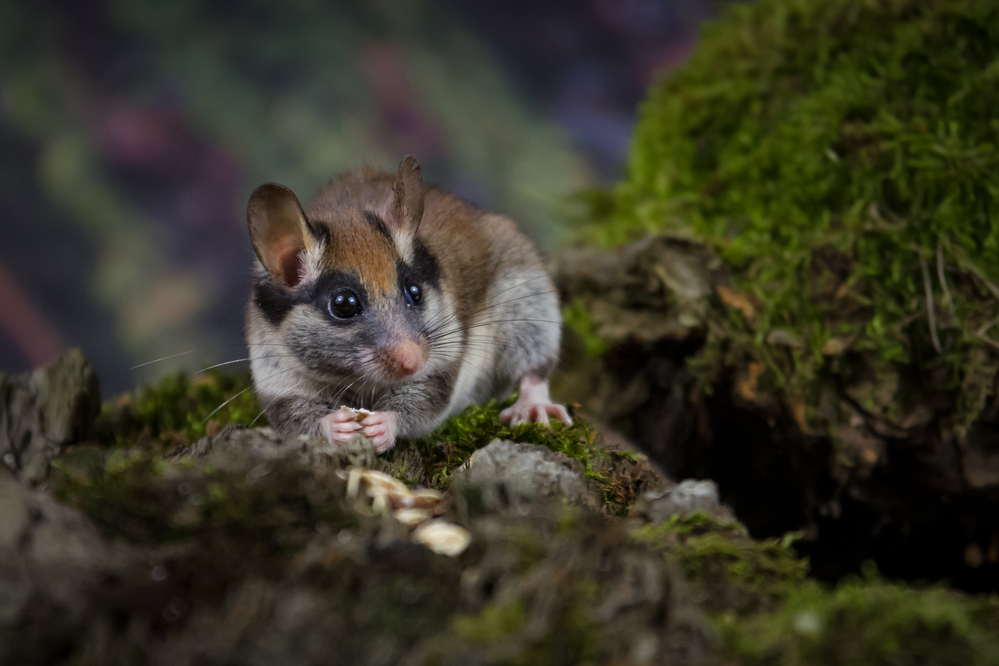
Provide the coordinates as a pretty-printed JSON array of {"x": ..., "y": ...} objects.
[
  {"x": 561, "y": 413},
  {"x": 533, "y": 405},
  {"x": 538, "y": 414},
  {"x": 518, "y": 414}
]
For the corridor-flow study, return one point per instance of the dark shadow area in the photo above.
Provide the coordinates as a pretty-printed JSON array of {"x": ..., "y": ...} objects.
[{"x": 912, "y": 514}]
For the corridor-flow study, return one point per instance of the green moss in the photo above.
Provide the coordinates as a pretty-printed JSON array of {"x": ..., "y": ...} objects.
[
  {"x": 767, "y": 611},
  {"x": 867, "y": 620},
  {"x": 137, "y": 495},
  {"x": 544, "y": 586},
  {"x": 829, "y": 150},
  {"x": 180, "y": 409},
  {"x": 504, "y": 629},
  {"x": 576, "y": 316},
  {"x": 736, "y": 573},
  {"x": 493, "y": 623},
  {"x": 454, "y": 442}
]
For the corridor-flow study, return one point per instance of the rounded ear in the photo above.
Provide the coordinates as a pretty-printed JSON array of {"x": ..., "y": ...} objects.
[
  {"x": 408, "y": 191},
  {"x": 278, "y": 231}
]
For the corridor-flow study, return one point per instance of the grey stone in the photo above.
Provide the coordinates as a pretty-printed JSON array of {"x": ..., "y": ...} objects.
[
  {"x": 513, "y": 475},
  {"x": 43, "y": 411},
  {"x": 687, "y": 497}
]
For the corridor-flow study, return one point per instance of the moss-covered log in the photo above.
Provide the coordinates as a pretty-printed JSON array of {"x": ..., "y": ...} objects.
[{"x": 838, "y": 159}]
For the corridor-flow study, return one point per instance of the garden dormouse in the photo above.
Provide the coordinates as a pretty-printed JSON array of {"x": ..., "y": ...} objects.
[{"x": 392, "y": 296}]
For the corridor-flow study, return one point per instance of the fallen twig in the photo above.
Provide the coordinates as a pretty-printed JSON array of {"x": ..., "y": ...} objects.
[
  {"x": 943, "y": 281},
  {"x": 980, "y": 333},
  {"x": 967, "y": 265},
  {"x": 929, "y": 303}
]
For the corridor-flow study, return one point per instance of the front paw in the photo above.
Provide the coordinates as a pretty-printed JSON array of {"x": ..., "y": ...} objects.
[
  {"x": 533, "y": 412},
  {"x": 380, "y": 428},
  {"x": 340, "y": 426},
  {"x": 344, "y": 424}
]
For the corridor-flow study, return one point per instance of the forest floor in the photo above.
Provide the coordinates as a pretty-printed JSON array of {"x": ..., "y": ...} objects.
[{"x": 143, "y": 532}]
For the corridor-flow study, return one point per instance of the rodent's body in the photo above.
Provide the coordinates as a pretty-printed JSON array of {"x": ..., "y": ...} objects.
[{"x": 446, "y": 307}]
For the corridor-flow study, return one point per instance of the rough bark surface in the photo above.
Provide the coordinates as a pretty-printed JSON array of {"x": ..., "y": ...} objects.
[
  {"x": 917, "y": 494},
  {"x": 43, "y": 411}
]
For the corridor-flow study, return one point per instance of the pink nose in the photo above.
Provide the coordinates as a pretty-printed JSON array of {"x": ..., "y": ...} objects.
[{"x": 408, "y": 357}]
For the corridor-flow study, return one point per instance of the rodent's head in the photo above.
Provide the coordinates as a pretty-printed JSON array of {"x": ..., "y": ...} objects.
[{"x": 348, "y": 287}]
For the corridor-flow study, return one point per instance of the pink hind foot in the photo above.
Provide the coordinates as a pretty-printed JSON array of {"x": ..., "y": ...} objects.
[{"x": 533, "y": 405}]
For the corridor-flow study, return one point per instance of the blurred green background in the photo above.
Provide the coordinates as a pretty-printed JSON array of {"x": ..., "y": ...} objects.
[{"x": 133, "y": 131}]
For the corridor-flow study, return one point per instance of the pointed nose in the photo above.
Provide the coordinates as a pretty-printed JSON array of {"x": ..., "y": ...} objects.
[{"x": 408, "y": 357}]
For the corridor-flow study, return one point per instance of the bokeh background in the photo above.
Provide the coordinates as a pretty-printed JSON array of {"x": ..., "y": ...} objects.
[{"x": 133, "y": 131}]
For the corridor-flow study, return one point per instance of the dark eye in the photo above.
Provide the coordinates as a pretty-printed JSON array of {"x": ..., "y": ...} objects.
[
  {"x": 413, "y": 294},
  {"x": 344, "y": 305}
]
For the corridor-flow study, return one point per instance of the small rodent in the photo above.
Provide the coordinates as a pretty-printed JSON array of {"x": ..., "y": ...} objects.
[{"x": 388, "y": 295}]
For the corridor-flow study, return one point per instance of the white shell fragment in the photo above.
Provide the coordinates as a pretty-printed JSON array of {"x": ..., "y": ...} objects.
[
  {"x": 412, "y": 517},
  {"x": 375, "y": 484},
  {"x": 443, "y": 538},
  {"x": 388, "y": 494},
  {"x": 359, "y": 414},
  {"x": 425, "y": 498}
]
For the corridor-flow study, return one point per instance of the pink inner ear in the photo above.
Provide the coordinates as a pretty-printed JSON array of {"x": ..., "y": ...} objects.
[{"x": 291, "y": 264}]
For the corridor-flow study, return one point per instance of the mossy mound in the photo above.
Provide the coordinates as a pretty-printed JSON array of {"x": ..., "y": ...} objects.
[
  {"x": 145, "y": 498},
  {"x": 454, "y": 442},
  {"x": 867, "y": 620},
  {"x": 833, "y": 365},
  {"x": 767, "y": 611},
  {"x": 841, "y": 156},
  {"x": 181, "y": 409},
  {"x": 734, "y": 572}
]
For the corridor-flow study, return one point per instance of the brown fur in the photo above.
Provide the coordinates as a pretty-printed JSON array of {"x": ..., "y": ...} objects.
[
  {"x": 458, "y": 234},
  {"x": 356, "y": 247}
]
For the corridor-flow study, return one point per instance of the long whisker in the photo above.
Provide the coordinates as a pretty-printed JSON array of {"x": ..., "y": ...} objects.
[
  {"x": 500, "y": 293},
  {"x": 214, "y": 411},
  {"x": 490, "y": 323},
  {"x": 429, "y": 331},
  {"x": 276, "y": 398},
  {"x": 218, "y": 365},
  {"x": 342, "y": 391},
  {"x": 200, "y": 349},
  {"x": 164, "y": 358},
  {"x": 239, "y": 360},
  {"x": 457, "y": 313}
]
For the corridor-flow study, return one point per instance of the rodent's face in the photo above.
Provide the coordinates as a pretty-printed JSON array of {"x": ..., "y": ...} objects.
[{"x": 365, "y": 305}]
